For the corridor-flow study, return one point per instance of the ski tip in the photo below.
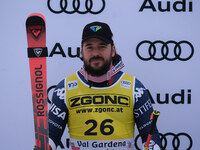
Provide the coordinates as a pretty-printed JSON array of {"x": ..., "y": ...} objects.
[
  {"x": 35, "y": 19},
  {"x": 37, "y": 15}
]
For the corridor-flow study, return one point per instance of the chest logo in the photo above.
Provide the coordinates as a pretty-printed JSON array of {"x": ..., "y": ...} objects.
[
  {"x": 125, "y": 84},
  {"x": 72, "y": 85}
]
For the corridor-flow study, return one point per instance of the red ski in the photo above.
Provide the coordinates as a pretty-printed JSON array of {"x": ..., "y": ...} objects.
[{"x": 37, "y": 53}]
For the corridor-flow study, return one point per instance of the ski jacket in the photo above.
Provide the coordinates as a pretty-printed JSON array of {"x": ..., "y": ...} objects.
[{"x": 101, "y": 115}]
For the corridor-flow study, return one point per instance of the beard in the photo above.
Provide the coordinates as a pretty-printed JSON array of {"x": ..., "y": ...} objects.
[{"x": 100, "y": 71}]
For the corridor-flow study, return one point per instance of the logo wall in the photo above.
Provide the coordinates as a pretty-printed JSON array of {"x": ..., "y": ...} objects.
[
  {"x": 172, "y": 141},
  {"x": 76, "y": 6},
  {"x": 145, "y": 50},
  {"x": 167, "y": 6},
  {"x": 160, "y": 50},
  {"x": 182, "y": 97},
  {"x": 69, "y": 51}
]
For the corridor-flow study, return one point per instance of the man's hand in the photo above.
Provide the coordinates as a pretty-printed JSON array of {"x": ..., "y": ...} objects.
[{"x": 34, "y": 148}]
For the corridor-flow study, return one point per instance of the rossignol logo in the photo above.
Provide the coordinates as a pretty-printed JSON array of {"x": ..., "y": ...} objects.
[
  {"x": 167, "y": 6},
  {"x": 38, "y": 51},
  {"x": 95, "y": 28},
  {"x": 36, "y": 32},
  {"x": 100, "y": 100},
  {"x": 39, "y": 88}
]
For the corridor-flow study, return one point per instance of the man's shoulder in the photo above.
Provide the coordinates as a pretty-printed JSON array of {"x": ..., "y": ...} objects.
[
  {"x": 62, "y": 82},
  {"x": 137, "y": 82},
  {"x": 73, "y": 76},
  {"x": 127, "y": 75}
]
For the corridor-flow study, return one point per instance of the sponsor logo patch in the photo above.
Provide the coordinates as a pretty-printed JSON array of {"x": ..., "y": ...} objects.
[
  {"x": 72, "y": 85},
  {"x": 125, "y": 84}
]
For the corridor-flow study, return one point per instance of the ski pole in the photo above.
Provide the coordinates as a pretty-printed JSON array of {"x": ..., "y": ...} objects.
[{"x": 154, "y": 117}]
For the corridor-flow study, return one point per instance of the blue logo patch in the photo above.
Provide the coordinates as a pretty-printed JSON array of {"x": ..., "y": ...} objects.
[{"x": 72, "y": 85}]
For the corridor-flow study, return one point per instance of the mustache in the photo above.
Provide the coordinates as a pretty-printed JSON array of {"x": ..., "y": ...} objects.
[{"x": 96, "y": 57}]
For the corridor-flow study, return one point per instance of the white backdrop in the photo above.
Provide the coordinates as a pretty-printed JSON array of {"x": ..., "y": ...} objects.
[{"x": 131, "y": 24}]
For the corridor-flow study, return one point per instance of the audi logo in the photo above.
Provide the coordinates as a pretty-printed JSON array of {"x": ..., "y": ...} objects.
[
  {"x": 176, "y": 141},
  {"x": 75, "y": 6},
  {"x": 159, "y": 50}
]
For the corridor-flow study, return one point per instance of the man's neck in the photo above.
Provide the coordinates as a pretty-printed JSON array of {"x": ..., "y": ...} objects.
[{"x": 101, "y": 84}]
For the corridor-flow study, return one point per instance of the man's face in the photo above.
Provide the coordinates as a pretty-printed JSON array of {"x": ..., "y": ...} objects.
[{"x": 97, "y": 56}]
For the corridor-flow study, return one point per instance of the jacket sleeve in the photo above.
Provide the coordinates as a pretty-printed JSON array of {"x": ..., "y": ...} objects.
[
  {"x": 142, "y": 112},
  {"x": 58, "y": 115}
]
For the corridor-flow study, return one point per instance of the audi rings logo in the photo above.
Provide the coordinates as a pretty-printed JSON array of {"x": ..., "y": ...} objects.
[
  {"x": 176, "y": 140},
  {"x": 76, "y": 6},
  {"x": 159, "y": 50},
  {"x": 172, "y": 141}
]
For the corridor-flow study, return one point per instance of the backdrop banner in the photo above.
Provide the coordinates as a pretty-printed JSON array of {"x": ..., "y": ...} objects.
[{"x": 157, "y": 39}]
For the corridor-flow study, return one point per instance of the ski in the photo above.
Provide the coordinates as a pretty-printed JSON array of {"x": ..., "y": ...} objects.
[{"x": 37, "y": 53}]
